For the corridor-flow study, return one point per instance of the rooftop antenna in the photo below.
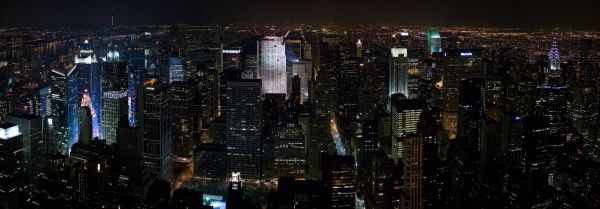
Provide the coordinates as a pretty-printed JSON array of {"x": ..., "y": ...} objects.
[{"x": 112, "y": 17}]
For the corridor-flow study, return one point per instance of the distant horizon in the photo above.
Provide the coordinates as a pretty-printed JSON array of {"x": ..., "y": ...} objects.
[{"x": 223, "y": 24}]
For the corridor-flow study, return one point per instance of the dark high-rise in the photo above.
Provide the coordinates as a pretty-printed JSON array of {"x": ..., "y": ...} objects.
[
  {"x": 244, "y": 128},
  {"x": 157, "y": 129}
]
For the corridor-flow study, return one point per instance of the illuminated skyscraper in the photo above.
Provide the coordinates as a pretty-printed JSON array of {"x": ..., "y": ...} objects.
[
  {"x": 157, "y": 129},
  {"x": 60, "y": 137},
  {"x": 551, "y": 103},
  {"x": 114, "y": 98},
  {"x": 405, "y": 116},
  {"x": 33, "y": 146},
  {"x": 289, "y": 152},
  {"x": 244, "y": 128},
  {"x": 271, "y": 65},
  {"x": 84, "y": 77},
  {"x": 412, "y": 179},
  {"x": 434, "y": 41},
  {"x": 398, "y": 72},
  {"x": 135, "y": 78},
  {"x": 11, "y": 161}
]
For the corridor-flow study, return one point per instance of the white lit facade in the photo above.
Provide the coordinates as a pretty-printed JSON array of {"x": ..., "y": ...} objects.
[{"x": 272, "y": 65}]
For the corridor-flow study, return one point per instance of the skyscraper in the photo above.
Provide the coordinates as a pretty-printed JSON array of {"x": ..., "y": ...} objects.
[
  {"x": 30, "y": 127},
  {"x": 339, "y": 180},
  {"x": 157, "y": 129},
  {"x": 184, "y": 122},
  {"x": 84, "y": 77},
  {"x": 471, "y": 111},
  {"x": 61, "y": 138},
  {"x": 434, "y": 40},
  {"x": 135, "y": 78},
  {"x": 412, "y": 179},
  {"x": 272, "y": 65},
  {"x": 551, "y": 103},
  {"x": 405, "y": 116},
  {"x": 114, "y": 97},
  {"x": 289, "y": 152},
  {"x": 244, "y": 128},
  {"x": 398, "y": 83},
  {"x": 11, "y": 161}
]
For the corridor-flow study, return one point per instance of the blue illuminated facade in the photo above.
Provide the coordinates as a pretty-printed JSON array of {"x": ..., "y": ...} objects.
[{"x": 84, "y": 77}]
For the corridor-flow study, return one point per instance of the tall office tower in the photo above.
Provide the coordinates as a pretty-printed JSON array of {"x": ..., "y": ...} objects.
[
  {"x": 323, "y": 93},
  {"x": 412, "y": 179},
  {"x": 176, "y": 70},
  {"x": 58, "y": 79},
  {"x": 551, "y": 103},
  {"x": 434, "y": 40},
  {"x": 289, "y": 152},
  {"x": 405, "y": 116},
  {"x": 84, "y": 77},
  {"x": 157, "y": 128},
  {"x": 471, "y": 110},
  {"x": 271, "y": 65},
  {"x": 303, "y": 69},
  {"x": 318, "y": 132},
  {"x": 33, "y": 145},
  {"x": 135, "y": 78},
  {"x": 85, "y": 125},
  {"x": 39, "y": 101},
  {"x": 339, "y": 181},
  {"x": 208, "y": 94},
  {"x": 184, "y": 122},
  {"x": 398, "y": 83},
  {"x": 114, "y": 96},
  {"x": 244, "y": 128},
  {"x": 512, "y": 140},
  {"x": 11, "y": 161},
  {"x": 366, "y": 142},
  {"x": 133, "y": 175}
]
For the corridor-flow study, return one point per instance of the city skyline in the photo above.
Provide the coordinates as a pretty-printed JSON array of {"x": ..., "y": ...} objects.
[{"x": 299, "y": 104}]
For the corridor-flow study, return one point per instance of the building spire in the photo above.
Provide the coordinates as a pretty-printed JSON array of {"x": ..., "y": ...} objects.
[{"x": 554, "y": 55}]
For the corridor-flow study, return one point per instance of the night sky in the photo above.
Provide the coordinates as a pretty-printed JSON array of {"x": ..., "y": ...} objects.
[{"x": 518, "y": 13}]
